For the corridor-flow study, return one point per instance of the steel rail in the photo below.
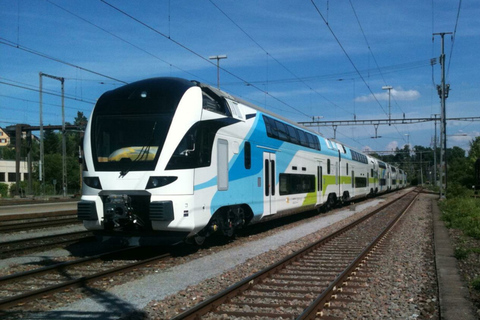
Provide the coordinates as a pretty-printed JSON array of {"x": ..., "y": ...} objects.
[
  {"x": 4, "y": 228},
  {"x": 237, "y": 289},
  {"x": 37, "y": 241},
  {"x": 36, "y": 215},
  {"x": 79, "y": 282}
]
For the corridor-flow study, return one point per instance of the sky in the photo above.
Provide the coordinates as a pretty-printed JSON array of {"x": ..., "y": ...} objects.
[{"x": 302, "y": 59}]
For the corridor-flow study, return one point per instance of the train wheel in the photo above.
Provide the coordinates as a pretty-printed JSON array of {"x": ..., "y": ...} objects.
[
  {"x": 330, "y": 202},
  {"x": 199, "y": 240}
]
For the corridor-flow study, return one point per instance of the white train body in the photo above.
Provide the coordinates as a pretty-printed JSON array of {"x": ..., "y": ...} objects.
[{"x": 172, "y": 159}]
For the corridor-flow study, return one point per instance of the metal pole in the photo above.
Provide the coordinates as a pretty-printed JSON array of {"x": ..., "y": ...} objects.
[
  {"x": 223, "y": 56},
  {"x": 435, "y": 154},
  {"x": 64, "y": 149},
  {"x": 443, "y": 124},
  {"x": 41, "y": 170},
  {"x": 389, "y": 88},
  {"x": 64, "y": 143}
]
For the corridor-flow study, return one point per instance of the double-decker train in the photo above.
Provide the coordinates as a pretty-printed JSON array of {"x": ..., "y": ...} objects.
[{"x": 167, "y": 159}]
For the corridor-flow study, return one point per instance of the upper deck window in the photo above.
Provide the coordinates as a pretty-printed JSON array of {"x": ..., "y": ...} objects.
[
  {"x": 286, "y": 132},
  {"x": 359, "y": 157}
]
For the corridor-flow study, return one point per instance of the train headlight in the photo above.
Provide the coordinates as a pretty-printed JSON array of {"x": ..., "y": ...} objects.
[
  {"x": 92, "y": 182},
  {"x": 157, "y": 182}
]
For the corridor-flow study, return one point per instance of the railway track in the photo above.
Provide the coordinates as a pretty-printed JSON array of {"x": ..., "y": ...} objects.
[
  {"x": 20, "y": 288},
  {"x": 12, "y": 248},
  {"x": 15, "y": 223},
  {"x": 303, "y": 284}
]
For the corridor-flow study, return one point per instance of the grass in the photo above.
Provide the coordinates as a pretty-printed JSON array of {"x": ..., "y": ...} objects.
[
  {"x": 476, "y": 283},
  {"x": 462, "y": 213}
]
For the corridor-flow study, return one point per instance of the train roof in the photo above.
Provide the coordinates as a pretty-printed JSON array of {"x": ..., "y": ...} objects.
[{"x": 255, "y": 107}]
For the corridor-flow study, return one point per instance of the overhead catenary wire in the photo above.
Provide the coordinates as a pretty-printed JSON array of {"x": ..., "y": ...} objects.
[
  {"x": 206, "y": 59},
  {"x": 45, "y": 92},
  {"x": 371, "y": 52},
  {"x": 46, "y": 56},
  {"x": 348, "y": 56},
  {"x": 350, "y": 60},
  {"x": 302, "y": 80},
  {"x": 124, "y": 40},
  {"x": 453, "y": 37}
]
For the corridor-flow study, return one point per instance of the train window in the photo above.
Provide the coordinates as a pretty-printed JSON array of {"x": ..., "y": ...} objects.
[
  {"x": 270, "y": 127},
  {"x": 328, "y": 166},
  {"x": 311, "y": 141},
  {"x": 296, "y": 183},
  {"x": 360, "y": 182},
  {"x": 328, "y": 144},
  {"x": 235, "y": 109},
  {"x": 212, "y": 102},
  {"x": 248, "y": 155},
  {"x": 282, "y": 131},
  {"x": 285, "y": 132},
  {"x": 292, "y": 132},
  {"x": 346, "y": 169},
  {"x": 303, "y": 138},
  {"x": 195, "y": 149},
  {"x": 359, "y": 157}
]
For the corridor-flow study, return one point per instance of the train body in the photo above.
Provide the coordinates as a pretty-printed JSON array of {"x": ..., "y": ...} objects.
[{"x": 169, "y": 159}]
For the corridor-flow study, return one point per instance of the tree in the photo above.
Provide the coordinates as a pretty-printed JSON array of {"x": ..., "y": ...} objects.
[{"x": 474, "y": 152}]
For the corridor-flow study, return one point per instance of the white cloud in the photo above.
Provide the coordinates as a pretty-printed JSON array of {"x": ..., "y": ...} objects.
[
  {"x": 367, "y": 149},
  {"x": 392, "y": 146},
  {"x": 399, "y": 95}
]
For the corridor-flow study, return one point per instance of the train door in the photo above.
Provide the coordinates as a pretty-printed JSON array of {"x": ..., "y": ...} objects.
[
  {"x": 338, "y": 173},
  {"x": 319, "y": 183},
  {"x": 269, "y": 174},
  {"x": 353, "y": 194}
]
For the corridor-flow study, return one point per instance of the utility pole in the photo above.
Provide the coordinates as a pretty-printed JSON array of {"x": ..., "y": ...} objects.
[
  {"x": 64, "y": 144},
  {"x": 389, "y": 88},
  {"x": 223, "y": 56},
  {"x": 443, "y": 90},
  {"x": 435, "y": 153}
]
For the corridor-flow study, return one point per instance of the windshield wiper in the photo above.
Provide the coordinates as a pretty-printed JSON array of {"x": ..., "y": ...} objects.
[{"x": 142, "y": 154}]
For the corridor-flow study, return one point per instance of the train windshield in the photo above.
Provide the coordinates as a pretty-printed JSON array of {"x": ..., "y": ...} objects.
[
  {"x": 130, "y": 124},
  {"x": 129, "y": 142}
]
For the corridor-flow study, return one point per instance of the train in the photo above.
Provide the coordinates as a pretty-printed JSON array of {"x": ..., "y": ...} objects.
[{"x": 166, "y": 160}]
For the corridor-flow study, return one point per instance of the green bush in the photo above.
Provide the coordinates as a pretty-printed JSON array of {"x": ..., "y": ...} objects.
[
  {"x": 456, "y": 190},
  {"x": 4, "y": 189}
]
